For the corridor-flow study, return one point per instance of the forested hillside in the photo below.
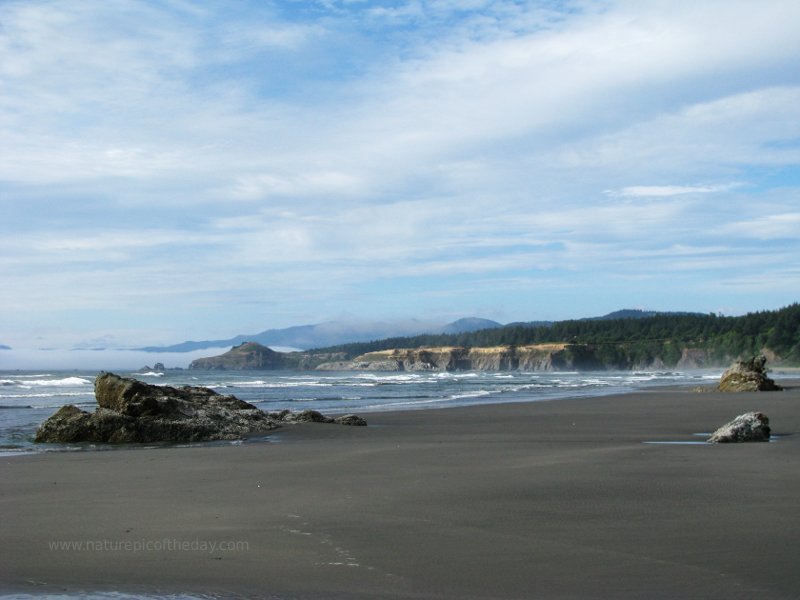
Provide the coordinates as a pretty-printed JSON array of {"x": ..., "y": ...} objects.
[{"x": 624, "y": 342}]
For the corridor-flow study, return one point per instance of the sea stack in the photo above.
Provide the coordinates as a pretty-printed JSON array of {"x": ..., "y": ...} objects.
[
  {"x": 748, "y": 376},
  {"x": 131, "y": 411}
]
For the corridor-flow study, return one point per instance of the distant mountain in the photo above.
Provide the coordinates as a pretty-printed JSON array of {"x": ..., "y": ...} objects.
[
  {"x": 331, "y": 333},
  {"x": 4, "y": 347},
  {"x": 469, "y": 324}
]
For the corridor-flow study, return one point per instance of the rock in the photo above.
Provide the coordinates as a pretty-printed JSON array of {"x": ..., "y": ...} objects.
[
  {"x": 131, "y": 411},
  {"x": 307, "y": 416},
  {"x": 350, "y": 420},
  {"x": 749, "y": 427},
  {"x": 313, "y": 416},
  {"x": 68, "y": 424},
  {"x": 246, "y": 356},
  {"x": 156, "y": 369},
  {"x": 747, "y": 376}
]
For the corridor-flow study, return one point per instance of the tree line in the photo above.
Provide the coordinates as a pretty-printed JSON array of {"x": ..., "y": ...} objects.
[{"x": 622, "y": 343}]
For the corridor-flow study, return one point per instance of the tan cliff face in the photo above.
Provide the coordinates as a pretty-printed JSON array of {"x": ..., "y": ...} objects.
[
  {"x": 539, "y": 357},
  {"x": 533, "y": 357}
]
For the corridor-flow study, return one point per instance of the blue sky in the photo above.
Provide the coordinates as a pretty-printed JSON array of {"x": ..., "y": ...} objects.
[{"x": 176, "y": 170}]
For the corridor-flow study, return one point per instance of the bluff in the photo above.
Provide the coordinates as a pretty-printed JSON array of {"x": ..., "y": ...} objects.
[
  {"x": 531, "y": 357},
  {"x": 539, "y": 357}
]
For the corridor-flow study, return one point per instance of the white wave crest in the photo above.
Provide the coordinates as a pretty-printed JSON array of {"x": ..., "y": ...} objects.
[
  {"x": 405, "y": 378},
  {"x": 67, "y": 381},
  {"x": 46, "y": 395},
  {"x": 475, "y": 394},
  {"x": 295, "y": 384}
]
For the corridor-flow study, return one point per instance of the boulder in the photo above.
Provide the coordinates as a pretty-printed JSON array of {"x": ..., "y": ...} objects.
[
  {"x": 68, "y": 424},
  {"x": 307, "y": 416},
  {"x": 747, "y": 376},
  {"x": 350, "y": 420},
  {"x": 313, "y": 416},
  {"x": 749, "y": 427},
  {"x": 132, "y": 411}
]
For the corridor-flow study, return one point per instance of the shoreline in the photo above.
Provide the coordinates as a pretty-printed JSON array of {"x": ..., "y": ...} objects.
[
  {"x": 550, "y": 499},
  {"x": 334, "y": 395}
]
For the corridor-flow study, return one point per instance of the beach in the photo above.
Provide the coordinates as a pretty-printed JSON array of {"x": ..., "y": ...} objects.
[{"x": 565, "y": 499}]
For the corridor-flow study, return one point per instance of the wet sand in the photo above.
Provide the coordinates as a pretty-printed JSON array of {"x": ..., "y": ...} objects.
[{"x": 555, "y": 499}]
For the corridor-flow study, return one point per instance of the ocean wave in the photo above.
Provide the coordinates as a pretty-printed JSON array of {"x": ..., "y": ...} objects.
[
  {"x": 150, "y": 374},
  {"x": 84, "y": 405},
  {"x": 33, "y": 375},
  {"x": 475, "y": 394},
  {"x": 45, "y": 395},
  {"x": 529, "y": 386},
  {"x": 384, "y": 379},
  {"x": 16, "y": 451},
  {"x": 14, "y": 406},
  {"x": 66, "y": 382},
  {"x": 294, "y": 384},
  {"x": 409, "y": 403},
  {"x": 450, "y": 375}
]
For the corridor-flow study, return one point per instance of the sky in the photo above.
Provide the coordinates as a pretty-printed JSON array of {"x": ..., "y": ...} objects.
[{"x": 176, "y": 169}]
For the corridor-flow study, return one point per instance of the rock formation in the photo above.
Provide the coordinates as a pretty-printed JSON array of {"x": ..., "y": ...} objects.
[
  {"x": 313, "y": 416},
  {"x": 246, "y": 356},
  {"x": 251, "y": 356},
  {"x": 130, "y": 411},
  {"x": 747, "y": 376},
  {"x": 749, "y": 427}
]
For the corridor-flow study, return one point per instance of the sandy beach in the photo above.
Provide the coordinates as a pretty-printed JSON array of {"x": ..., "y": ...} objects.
[{"x": 559, "y": 499}]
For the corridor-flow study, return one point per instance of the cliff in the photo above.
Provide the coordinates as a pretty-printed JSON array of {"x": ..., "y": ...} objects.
[
  {"x": 538, "y": 357},
  {"x": 533, "y": 357}
]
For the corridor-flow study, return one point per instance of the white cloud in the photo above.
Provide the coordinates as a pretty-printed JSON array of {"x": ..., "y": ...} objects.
[
  {"x": 225, "y": 159},
  {"x": 765, "y": 227},
  {"x": 659, "y": 191}
]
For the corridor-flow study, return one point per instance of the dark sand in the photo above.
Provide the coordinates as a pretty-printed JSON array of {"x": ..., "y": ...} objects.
[{"x": 540, "y": 500}]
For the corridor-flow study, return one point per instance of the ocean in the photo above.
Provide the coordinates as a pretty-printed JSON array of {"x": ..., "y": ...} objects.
[{"x": 28, "y": 398}]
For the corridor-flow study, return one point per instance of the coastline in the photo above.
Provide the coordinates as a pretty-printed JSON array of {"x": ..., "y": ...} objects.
[{"x": 558, "y": 499}]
